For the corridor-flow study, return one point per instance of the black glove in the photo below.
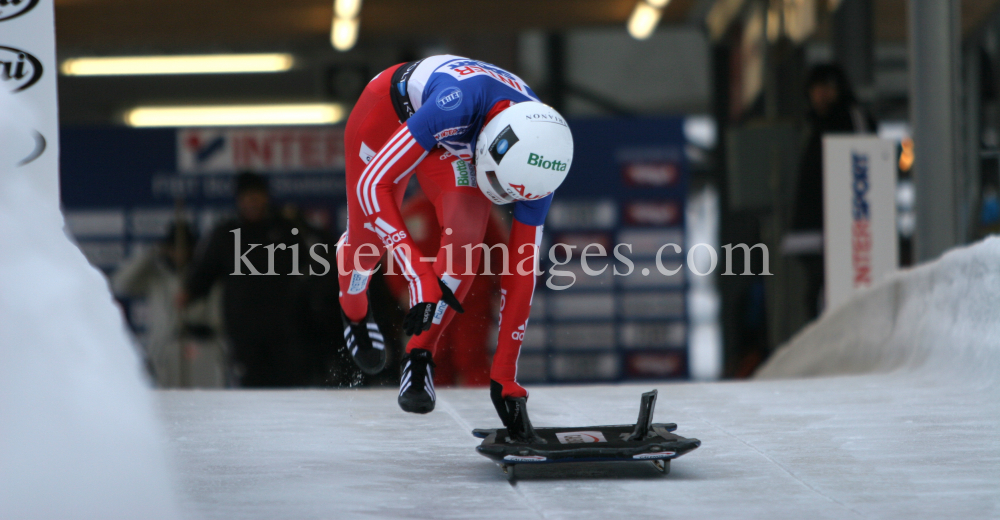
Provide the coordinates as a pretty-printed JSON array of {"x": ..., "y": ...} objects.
[
  {"x": 421, "y": 315},
  {"x": 513, "y": 412},
  {"x": 503, "y": 410}
]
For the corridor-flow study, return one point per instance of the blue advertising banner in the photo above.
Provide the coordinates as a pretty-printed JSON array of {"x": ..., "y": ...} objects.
[{"x": 625, "y": 194}]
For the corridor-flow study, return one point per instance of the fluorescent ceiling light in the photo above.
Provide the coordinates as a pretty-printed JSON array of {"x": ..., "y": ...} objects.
[
  {"x": 236, "y": 115},
  {"x": 344, "y": 34},
  {"x": 346, "y": 9},
  {"x": 193, "y": 64},
  {"x": 643, "y": 20}
]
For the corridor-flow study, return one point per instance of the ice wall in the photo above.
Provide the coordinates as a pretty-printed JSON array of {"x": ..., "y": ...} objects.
[
  {"x": 940, "y": 320},
  {"x": 78, "y": 434}
]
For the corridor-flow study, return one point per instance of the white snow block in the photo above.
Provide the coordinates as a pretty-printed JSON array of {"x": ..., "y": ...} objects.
[
  {"x": 939, "y": 320},
  {"x": 79, "y": 437}
]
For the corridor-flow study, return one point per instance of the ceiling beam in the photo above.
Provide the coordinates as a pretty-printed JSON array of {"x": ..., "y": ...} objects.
[{"x": 188, "y": 24}]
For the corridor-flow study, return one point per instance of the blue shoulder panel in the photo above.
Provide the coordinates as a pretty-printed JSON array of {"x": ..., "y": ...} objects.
[
  {"x": 456, "y": 99},
  {"x": 532, "y": 212},
  {"x": 448, "y": 114}
]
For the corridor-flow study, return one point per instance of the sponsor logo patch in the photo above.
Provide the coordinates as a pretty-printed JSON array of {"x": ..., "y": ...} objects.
[
  {"x": 366, "y": 153},
  {"x": 18, "y": 69},
  {"x": 449, "y": 98},
  {"x": 861, "y": 234},
  {"x": 464, "y": 174},
  {"x": 388, "y": 234},
  {"x": 439, "y": 312},
  {"x": 518, "y": 335},
  {"x": 520, "y": 189},
  {"x": 525, "y": 458},
  {"x": 449, "y": 132},
  {"x": 14, "y": 8},
  {"x": 465, "y": 69},
  {"x": 503, "y": 142},
  {"x": 580, "y": 437},
  {"x": 359, "y": 281},
  {"x": 653, "y": 456},
  {"x": 270, "y": 149},
  {"x": 452, "y": 284},
  {"x": 203, "y": 147},
  {"x": 546, "y": 118},
  {"x": 540, "y": 161}
]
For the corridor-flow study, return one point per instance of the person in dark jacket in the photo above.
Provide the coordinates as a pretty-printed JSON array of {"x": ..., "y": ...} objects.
[
  {"x": 257, "y": 286},
  {"x": 833, "y": 109}
]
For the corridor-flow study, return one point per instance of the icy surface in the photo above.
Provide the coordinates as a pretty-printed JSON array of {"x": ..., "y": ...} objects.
[
  {"x": 846, "y": 447},
  {"x": 903, "y": 425},
  {"x": 78, "y": 434}
]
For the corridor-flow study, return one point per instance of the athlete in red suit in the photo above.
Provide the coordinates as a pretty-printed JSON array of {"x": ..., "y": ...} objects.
[{"x": 425, "y": 118}]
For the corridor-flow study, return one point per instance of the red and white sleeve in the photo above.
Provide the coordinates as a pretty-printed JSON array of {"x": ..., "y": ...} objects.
[{"x": 376, "y": 192}]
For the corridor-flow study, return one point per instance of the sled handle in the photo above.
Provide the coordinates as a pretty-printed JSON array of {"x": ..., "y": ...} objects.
[{"x": 645, "y": 421}]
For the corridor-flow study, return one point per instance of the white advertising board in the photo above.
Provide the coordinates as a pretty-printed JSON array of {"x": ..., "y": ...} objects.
[
  {"x": 859, "y": 221},
  {"x": 28, "y": 74}
]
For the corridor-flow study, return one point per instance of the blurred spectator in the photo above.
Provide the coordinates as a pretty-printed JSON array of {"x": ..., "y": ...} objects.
[
  {"x": 833, "y": 109},
  {"x": 257, "y": 286},
  {"x": 316, "y": 327},
  {"x": 184, "y": 347},
  {"x": 462, "y": 356}
]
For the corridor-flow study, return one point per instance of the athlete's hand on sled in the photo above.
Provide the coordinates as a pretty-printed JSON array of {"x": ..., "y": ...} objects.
[
  {"x": 421, "y": 315},
  {"x": 503, "y": 396},
  {"x": 511, "y": 402}
]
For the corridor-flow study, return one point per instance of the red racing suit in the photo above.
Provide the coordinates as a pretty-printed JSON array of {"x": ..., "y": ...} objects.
[{"x": 381, "y": 155}]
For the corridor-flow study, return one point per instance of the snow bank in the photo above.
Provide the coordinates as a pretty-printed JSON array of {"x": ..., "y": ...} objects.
[
  {"x": 78, "y": 434},
  {"x": 939, "y": 320}
]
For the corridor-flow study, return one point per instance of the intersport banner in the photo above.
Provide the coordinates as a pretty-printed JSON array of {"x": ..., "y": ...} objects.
[
  {"x": 28, "y": 73},
  {"x": 859, "y": 206},
  {"x": 274, "y": 150}
]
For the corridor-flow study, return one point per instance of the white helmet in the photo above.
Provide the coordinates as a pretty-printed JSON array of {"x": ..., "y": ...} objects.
[{"x": 524, "y": 153}]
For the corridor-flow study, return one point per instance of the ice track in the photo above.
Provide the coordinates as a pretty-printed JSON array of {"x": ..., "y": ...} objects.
[
  {"x": 903, "y": 424},
  {"x": 847, "y": 447}
]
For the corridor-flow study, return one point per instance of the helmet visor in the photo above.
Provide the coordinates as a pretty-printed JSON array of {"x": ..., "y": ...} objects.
[{"x": 497, "y": 187}]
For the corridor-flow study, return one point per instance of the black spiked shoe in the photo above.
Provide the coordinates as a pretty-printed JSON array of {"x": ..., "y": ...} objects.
[
  {"x": 365, "y": 343},
  {"x": 416, "y": 384}
]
